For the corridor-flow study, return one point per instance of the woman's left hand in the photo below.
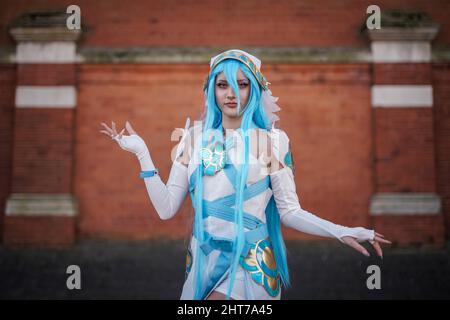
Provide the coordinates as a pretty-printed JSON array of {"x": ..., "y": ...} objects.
[{"x": 379, "y": 238}]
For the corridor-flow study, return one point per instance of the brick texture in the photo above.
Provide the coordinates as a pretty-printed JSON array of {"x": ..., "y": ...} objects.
[
  {"x": 39, "y": 231},
  {"x": 344, "y": 150},
  {"x": 31, "y": 74},
  {"x": 405, "y": 156},
  {"x": 7, "y": 89},
  {"x": 441, "y": 92},
  {"x": 43, "y": 150},
  {"x": 402, "y": 73},
  {"x": 226, "y": 23},
  {"x": 412, "y": 230}
]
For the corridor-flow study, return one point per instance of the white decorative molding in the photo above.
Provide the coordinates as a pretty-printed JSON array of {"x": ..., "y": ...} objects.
[
  {"x": 187, "y": 55},
  {"x": 61, "y": 205},
  {"x": 418, "y": 33},
  {"x": 401, "y": 51},
  {"x": 46, "y": 97},
  {"x": 402, "y": 96},
  {"x": 47, "y": 33},
  {"x": 46, "y": 52},
  {"x": 405, "y": 204}
]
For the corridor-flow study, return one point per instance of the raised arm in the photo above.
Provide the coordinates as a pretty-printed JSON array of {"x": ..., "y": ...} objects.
[{"x": 166, "y": 198}]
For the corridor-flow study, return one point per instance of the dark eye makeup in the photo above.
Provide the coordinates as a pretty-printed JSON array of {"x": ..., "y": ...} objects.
[{"x": 224, "y": 84}]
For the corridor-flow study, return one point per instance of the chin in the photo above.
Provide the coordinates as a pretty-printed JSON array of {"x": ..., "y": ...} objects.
[{"x": 231, "y": 113}]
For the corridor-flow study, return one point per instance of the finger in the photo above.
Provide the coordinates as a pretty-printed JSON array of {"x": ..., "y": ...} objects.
[
  {"x": 114, "y": 128},
  {"x": 379, "y": 234},
  {"x": 382, "y": 240},
  {"x": 355, "y": 245},
  {"x": 106, "y": 127},
  {"x": 106, "y": 132},
  {"x": 121, "y": 132},
  {"x": 129, "y": 128},
  {"x": 377, "y": 248}
]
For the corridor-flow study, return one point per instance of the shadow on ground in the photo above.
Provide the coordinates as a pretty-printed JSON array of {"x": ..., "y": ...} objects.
[{"x": 155, "y": 270}]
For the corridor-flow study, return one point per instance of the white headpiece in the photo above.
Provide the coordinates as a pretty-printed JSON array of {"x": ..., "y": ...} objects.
[{"x": 255, "y": 60}]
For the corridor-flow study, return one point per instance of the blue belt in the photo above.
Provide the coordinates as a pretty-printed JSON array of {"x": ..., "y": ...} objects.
[{"x": 223, "y": 244}]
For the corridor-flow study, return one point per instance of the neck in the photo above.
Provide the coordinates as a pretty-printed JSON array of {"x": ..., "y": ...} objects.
[{"x": 231, "y": 123}]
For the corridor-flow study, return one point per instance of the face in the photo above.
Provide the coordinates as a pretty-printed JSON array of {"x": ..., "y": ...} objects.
[{"x": 226, "y": 98}]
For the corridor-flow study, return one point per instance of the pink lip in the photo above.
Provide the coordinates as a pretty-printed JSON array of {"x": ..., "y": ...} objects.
[{"x": 231, "y": 105}]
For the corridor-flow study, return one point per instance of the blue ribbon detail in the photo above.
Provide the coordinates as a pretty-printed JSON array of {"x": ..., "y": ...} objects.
[
  {"x": 147, "y": 174},
  {"x": 221, "y": 209}
]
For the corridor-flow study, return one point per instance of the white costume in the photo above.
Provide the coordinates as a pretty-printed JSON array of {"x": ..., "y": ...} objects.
[
  {"x": 167, "y": 199},
  {"x": 258, "y": 276}
]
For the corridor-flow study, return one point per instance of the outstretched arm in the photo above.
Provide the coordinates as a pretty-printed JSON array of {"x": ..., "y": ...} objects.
[
  {"x": 294, "y": 216},
  {"x": 166, "y": 198}
]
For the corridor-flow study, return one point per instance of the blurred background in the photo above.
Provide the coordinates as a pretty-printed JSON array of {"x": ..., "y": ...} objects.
[{"x": 367, "y": 110}]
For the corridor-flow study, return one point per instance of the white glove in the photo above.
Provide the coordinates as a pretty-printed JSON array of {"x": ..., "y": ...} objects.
[
  {"x": 166, "y": 199},
  {"x": 291, "y": 213},
  {"x": 132, "y": 143}
]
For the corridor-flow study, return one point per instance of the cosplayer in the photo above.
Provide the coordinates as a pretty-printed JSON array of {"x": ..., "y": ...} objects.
[{"x": 239, "y": 170}]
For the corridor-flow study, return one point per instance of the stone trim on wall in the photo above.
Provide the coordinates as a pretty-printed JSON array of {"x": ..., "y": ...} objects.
[
  {"x": 22, "y": 204},
  {"x": 405, "y": 204}
]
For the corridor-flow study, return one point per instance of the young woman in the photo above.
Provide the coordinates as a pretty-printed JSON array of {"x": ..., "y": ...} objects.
[{"x": 239, "y": 171}]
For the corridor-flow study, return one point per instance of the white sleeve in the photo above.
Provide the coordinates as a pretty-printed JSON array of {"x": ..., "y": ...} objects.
[
  {"x": 291, "y": 213},
  {"x": 167, "y": 198}
]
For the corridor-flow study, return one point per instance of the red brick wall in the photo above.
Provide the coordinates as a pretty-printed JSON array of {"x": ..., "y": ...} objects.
[
  {"x": 43, "y": 154},
  {"x": 411, "y": 230},
  {"x": 405, "y": 158},
  {"x": 41, "y": 231},
  {"x": 31, "y": 74},
  {"x": 42, "y": 159},
  {"x": 441, "y": 95},
  {"x": 7, "y": 90},
  {"x": 402, "y": 73},
  {"x": 155, "y": 99},
  {"x": 326, "y": 110},
  {"x": 220, "y": 23}
]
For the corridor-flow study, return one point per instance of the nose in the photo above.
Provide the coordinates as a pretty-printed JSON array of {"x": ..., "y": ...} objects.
[{"x": 230, "y": 93}]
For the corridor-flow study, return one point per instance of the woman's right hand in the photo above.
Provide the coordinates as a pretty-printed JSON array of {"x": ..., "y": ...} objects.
[{"x": 132, "y": 143}]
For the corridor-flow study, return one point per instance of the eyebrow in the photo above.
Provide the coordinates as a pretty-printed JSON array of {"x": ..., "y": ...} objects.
[{"x": 223, "y": 80}]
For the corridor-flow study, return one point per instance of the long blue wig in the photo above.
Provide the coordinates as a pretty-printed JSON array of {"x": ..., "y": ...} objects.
[{"x": 254, "y": 111}]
